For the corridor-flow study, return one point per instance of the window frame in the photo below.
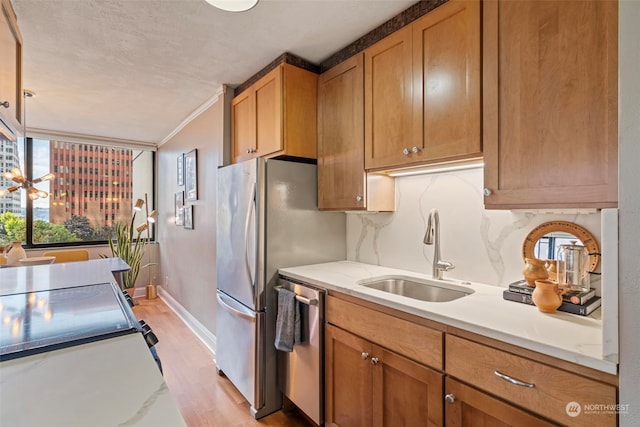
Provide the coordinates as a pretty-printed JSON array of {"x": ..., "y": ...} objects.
[{"x": 28, "y": 165}]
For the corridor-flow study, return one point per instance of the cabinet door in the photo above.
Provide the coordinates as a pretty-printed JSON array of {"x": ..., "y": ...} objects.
[
  {"x": 446, "y": 66},
  {"x": 268, "y": 107},
  {"x": 405, "y": 393},
  {"x": 10, "y": 72},
  {"x": 341, "y": 176},
  {"x": 550, "y": 103},
  {"x": 347, "y": 379},
  {"x": 243, "y": 126},
  {"x": 467, "y": 406},
  {"x": 388, "y": 101}
]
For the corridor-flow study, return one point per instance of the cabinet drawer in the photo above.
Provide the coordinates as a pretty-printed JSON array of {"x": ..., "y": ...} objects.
[
  {"x": 417, "y": 342},
  {"x": 553, "y": 389}
]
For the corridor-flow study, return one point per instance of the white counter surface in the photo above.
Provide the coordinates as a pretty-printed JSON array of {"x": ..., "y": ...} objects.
[
  {"x": 17, "y": 280},
  {"x": 113, "y": 382},
  {"x": 566, "y": 336}
]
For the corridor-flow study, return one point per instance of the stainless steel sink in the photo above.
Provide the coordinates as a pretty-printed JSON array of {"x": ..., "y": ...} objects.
[{"x": 423, "y": 290}]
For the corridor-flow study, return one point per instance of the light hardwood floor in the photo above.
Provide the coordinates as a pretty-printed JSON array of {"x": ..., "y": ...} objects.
[{"x": 203, "y": 397}]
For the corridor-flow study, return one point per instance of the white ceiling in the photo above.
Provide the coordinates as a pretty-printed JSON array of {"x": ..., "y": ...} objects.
[{"x": 136, "y": 69}]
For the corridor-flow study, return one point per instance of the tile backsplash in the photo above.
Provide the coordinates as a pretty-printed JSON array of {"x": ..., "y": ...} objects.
[{"x": 485, "y": 245}]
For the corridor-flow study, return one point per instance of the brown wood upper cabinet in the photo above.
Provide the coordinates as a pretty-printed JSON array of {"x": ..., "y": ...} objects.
[
  {"x": 276, "y": 116},
  {"x": 10, "y": 73},
  {"x": 550, "y": 103},
  {"x": 341, "y": 175},
  {"x": 423, "y": 90},
  {"x": 342, "y": 181}
]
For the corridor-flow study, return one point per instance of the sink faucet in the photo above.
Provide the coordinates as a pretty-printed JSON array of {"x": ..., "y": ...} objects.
[{"x": 432, "y": 237}]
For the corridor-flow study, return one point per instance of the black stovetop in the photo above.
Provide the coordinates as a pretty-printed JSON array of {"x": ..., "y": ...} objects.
[{"x": 48, "y": 320}]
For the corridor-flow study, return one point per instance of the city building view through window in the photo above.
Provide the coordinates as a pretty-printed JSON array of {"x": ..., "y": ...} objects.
[{"x": 93, "y": 188}]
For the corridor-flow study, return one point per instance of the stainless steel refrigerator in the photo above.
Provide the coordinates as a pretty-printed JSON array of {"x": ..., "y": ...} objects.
[{"x": 267, "y": 219}]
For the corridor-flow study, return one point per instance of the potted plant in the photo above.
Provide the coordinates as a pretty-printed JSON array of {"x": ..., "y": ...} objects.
[{"x": 129, "y": 249}]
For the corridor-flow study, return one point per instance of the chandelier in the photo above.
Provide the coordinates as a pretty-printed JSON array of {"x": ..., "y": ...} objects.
[
  {"x": 16, "y": 175},
  {"x": 33, "y": 193}
]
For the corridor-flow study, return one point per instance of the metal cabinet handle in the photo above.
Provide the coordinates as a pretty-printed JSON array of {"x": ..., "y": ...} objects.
[
  {"x": 415, "y": 150},
  {"x": 487, "y": 192},
  {"x": 364, "y": 355},
  {"x": 513, "y": 380},
  {"x": 5, "y": 104},
  {"x": 358, "y": 198},
  {"x": 405, "y": 151},
  {"x": 450, "y": 398},
  {"x": 251, "y": 150},
  {"x": 375, "y": 360}
]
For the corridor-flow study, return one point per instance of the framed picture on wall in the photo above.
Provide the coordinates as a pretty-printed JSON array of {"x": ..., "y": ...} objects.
[
  {"x": 188, "y": 217},
  {"x": 191, "y": 176},
  {"x": 180, "y": 169},
  {"x": 179, "y": 208}
]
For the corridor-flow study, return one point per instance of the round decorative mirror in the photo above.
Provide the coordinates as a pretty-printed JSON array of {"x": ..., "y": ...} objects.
[{"x": 543, "y": 241}]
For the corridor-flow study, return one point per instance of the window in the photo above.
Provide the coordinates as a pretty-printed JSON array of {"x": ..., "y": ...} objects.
[{"x": 68, "y": 216}]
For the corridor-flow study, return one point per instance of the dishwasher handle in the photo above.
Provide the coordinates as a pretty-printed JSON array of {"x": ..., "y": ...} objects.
[{"x": 300, "y": 298}]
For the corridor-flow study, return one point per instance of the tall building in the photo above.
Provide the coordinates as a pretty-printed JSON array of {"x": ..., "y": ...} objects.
[
  {"x": 9, "y": 159},
  {"x": 91, "y": 181}
]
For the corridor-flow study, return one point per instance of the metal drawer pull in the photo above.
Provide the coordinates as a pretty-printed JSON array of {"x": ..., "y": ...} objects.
[
  {"x": 450, "y": 398},
  {"x": 513, "y": 380},
  {"x": 375, "y": 360},
  {"x": 300, "y": 298},
  {"x": 364, "y": 355}
]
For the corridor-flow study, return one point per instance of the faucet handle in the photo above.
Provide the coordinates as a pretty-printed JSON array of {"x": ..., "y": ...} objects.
[{"x": 445, "y": 265}]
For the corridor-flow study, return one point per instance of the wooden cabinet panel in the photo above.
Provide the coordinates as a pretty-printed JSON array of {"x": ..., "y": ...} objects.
[
  {"x": 467, "y": 406},
  {"x": 243, "y": 126},
  {"x": 405, "y": 393},
  {"x": 348, "y": 379},
  {"x": 409, "y": 339},
  {"x": 446, "y": 66},
  {"x": 276, "y": 116},
  {"x": 388, "y": 100},
  {"x": 552, "y": 388},
  {"x": 268, "y": 107},
  {"x": 341, "y": 175},
  {"x": 10, "y": 72},
  {"x": 550, "y": 103}
]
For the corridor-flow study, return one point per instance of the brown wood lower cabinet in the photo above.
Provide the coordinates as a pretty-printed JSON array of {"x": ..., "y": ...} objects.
[
  {"x": 384, "y": 367},
  {"x": 367, "y": 385},
  {"x": 467, "y": 406}
]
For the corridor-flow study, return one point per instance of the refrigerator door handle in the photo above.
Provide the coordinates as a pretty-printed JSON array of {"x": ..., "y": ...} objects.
[
  {"x": 234, "y": 311},
  {"x": 250, "y": 209}
]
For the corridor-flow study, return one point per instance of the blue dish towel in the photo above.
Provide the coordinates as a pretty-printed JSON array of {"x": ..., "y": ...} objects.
[{"x": 287, "y": 321}]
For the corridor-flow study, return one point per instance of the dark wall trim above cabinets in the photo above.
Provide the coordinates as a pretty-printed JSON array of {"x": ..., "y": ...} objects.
[
  {"x": 392, "y": 25},
  {"x": 285, "y": 58},
  {"x": 400, "y": 20}
]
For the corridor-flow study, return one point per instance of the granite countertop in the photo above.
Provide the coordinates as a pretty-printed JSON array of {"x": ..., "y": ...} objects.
[
  {"x": 577, "y": 339},
  {"x": 113, "y": 382}
]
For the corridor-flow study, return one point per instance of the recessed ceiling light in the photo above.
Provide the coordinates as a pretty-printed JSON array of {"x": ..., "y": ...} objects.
[{"x": 233, "y": 5}]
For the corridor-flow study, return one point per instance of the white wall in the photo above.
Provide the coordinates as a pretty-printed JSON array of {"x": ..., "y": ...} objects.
[
  {"x": 188, "y": 257},
  {"x": 484, "y": 245},
  {"x": 629, "y": 228}
]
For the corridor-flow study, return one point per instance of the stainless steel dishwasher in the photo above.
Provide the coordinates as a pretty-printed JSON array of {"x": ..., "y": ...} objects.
[{"x": 301, "y": 372}]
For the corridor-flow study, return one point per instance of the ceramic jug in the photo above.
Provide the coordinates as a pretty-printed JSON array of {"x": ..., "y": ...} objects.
[
  {"x": 534, "y": 269},
  {"x": 573, "y": 267},
  {"x": 547, "y": 296},
  {"x": 14, "y": 253}
]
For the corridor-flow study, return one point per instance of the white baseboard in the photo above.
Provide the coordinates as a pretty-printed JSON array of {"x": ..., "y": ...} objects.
[{"x": 203, "y": 334}]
